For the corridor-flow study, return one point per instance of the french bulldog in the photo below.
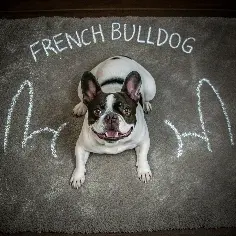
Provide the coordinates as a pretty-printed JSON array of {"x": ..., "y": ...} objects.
[{"x": 114, "y": 96}]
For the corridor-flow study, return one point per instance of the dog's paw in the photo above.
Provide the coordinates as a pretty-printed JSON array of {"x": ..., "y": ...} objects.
[
  {"x": 80, "y": 109},
  {"x": 144, "y": 173},
  {"x": 147, "y": 107},
  {"x": 77, "y": 178}
]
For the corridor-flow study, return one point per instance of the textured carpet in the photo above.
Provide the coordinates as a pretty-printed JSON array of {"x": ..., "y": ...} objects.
[{"x": 192, "y": 126}]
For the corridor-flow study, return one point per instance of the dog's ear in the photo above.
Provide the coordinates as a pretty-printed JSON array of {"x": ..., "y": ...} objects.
[
  {"x": 132, "y": 85},
  {"x": 90, "y": 87}
]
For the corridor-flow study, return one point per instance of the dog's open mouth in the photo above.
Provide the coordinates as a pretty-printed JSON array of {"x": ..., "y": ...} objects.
[{"x": 112, "y": 135}]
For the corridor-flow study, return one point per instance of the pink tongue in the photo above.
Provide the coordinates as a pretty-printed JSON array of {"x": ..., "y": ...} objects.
[{"x": 111, "y": 133}]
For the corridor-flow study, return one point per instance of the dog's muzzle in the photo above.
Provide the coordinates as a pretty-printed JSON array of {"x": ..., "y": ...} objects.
[
  {"x": 112, "y": 135},
  {"x": 112, "y": 132},
  {"x": 111, "y": 122}
]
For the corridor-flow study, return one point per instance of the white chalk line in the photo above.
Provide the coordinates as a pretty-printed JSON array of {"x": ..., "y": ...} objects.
[
  {"x": 193, "y": 135},
  {"x": 12, "y": 106},
  {"x": 203, "y": 137},
  {"x": 26, "y": 137},
  {"x": 222, "y": 106},
  {"x": 178, "y": 136},
  {"x": 125, "y": 33}
]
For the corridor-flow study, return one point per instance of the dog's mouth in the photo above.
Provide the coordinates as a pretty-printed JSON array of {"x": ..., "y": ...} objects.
[{"x": 112, "y": 135}]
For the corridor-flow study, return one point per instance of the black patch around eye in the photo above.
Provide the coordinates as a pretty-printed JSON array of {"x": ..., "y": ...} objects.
[
  {"x": 118, "y": 106},
  {"x": 115, "y": 58},
  {"x": 103, "y": 106},
  {"x": 124, "y": 101},
  {"x": 96, "y": 104}
]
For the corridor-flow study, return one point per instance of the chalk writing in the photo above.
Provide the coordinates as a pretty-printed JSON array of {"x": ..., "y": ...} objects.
[
  {"x": 26, "y": 135},
  {"x": 204, "y": 135},
  {"x": 64, "y": 41},
  {"x": 162, "y": 37},
  {"x": 58, "y": 42}
]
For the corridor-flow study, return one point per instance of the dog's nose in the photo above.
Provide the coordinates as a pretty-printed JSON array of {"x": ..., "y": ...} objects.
[
  {"x": 112, "y": 121},
  {"x": 111, "y": 117}
]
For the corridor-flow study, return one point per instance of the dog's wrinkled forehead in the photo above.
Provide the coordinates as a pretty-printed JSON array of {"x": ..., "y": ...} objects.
[
  {"x": 118, "y": 101},
  {"x": 110, "y": 101}
]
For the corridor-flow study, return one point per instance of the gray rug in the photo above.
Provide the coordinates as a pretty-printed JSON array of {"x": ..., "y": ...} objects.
[{"x": 192, "y": 126}]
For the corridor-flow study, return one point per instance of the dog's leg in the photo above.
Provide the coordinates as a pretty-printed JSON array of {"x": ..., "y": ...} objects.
[
  {"x": 80, "y": 109},
  {"x": 143, "y": 168},
  {"x": 78, "y": 176},
  {"x": 147, "y": 107}
]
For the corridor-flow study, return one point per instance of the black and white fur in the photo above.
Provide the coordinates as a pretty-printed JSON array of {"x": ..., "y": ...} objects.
[{"x": 114, "y": 96}]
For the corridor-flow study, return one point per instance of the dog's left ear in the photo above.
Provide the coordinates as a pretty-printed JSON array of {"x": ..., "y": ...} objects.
[
  {"x": 90, "y": 87},
  {"x": 132, "y": 85}
]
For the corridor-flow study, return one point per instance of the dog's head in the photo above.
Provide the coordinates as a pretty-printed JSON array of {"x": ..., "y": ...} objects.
[{"x": 111, "y": 116}]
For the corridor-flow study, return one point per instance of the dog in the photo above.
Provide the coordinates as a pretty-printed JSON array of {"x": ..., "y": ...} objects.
[{"x": 114, "y": 96}]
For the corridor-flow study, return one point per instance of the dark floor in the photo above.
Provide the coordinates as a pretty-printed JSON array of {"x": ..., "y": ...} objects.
[
  {"x": 198, "y": 232},
  {"x": 94, "y": 8}
]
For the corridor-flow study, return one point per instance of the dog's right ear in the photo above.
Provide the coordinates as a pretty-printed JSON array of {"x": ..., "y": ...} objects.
[
  {"x": 90, "y": 87},
  {"x": 132, "y": 85}
]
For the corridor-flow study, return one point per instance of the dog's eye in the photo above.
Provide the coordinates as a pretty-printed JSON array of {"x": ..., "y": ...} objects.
[
  {"x": 97, "y": 112},
  {"x": 127, "y": 111}
]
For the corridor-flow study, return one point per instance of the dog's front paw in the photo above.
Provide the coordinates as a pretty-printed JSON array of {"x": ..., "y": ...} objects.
[
  {"x": 80, "y": 109},
  {"x": 147, "y": 107},
  {"x": 77, "y": 178},
  {"x": 144, "y": 173}
]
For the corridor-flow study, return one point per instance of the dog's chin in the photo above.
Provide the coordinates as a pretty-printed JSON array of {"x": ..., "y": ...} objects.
[{"x": 113, "y": 136}]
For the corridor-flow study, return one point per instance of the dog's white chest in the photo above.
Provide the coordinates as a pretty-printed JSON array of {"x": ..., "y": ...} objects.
[
  {"x": 111, "y": 148},
  {"x": 117, "y": 149}
]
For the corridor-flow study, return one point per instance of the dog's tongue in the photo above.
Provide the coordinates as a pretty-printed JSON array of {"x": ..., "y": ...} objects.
[{"x": 112, "y": 133}]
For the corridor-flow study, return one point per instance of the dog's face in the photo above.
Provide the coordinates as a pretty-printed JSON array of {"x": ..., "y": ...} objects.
[{"x": 111, "y": 116}]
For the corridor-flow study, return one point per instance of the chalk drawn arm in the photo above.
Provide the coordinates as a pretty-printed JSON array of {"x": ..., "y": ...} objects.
[
  {"x": 78, "y": 176},
  {"x": 28, "y": 136},
  {"x": 203, "y": 135}
]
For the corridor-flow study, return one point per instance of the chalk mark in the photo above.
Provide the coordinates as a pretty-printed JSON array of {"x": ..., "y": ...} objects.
[
  {"x": 204, "y": 135},
  {"x": 26, "y": 135}
]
